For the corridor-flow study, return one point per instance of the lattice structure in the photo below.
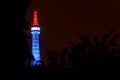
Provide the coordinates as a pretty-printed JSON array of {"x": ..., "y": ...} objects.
[{"x": 35, "y": 31}]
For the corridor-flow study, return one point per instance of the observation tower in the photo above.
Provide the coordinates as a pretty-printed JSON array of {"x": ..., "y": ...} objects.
[{"x": 35, "y": 32}]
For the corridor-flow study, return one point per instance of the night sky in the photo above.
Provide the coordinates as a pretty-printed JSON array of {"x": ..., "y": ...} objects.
[{"x": 61, "y": 19}]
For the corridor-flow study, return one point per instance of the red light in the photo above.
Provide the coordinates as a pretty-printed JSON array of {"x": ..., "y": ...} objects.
[{"x": 35, "y": 19}]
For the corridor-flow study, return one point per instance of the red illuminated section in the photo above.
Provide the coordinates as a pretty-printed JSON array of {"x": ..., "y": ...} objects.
[{"x": 35, "y": 19}]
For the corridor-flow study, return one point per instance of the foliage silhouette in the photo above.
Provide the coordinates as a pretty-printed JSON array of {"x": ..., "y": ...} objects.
[
  {"x": 91, "y": 56},
  {"x": 15, "y": 47}
]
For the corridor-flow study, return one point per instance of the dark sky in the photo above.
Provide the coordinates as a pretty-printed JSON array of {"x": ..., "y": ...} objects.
[{"x": 61, "y": 19}]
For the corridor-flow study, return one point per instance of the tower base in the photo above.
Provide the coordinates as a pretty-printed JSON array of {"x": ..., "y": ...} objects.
[{"x": 35, "y": 63}]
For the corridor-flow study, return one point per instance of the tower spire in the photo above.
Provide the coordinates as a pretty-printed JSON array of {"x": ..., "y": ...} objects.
[{"x": 35, "y": 19}]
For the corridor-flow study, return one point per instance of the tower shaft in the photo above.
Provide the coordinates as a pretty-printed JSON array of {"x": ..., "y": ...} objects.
[{"x": 35, "y": 48}]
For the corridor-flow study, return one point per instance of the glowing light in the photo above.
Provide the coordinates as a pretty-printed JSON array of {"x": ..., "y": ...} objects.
[
  {"x": 35, "y": 28},
  {"x": 35, "y": 31},
  {"x": 35, "y": 19},
  {"x": 35, "y": 49}
]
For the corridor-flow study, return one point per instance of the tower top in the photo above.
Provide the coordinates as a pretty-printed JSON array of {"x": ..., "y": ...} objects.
[{"x": 35, "y": 19}]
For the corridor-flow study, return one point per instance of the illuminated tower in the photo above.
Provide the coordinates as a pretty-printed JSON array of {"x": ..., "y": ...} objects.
[{"x": 35, "y": 31}]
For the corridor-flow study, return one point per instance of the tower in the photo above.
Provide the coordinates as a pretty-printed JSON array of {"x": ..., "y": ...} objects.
[{"x": 35, "y": 32}]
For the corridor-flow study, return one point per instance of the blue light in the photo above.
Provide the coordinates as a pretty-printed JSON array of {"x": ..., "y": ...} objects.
[{"x": 35, "y": 47}]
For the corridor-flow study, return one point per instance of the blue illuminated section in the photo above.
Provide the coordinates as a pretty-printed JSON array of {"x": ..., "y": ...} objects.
[{"x": 35, "y": 31}]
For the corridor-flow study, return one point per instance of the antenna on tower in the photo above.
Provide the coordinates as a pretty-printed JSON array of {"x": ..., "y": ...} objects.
[{"x": 35, "y": 18}]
